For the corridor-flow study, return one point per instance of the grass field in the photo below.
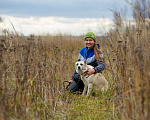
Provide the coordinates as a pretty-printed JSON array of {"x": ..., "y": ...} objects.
[{"x": 32, "y": 70}]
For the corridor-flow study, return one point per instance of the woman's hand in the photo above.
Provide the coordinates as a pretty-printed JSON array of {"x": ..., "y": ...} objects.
[
  {"x": 89, "y": 72},
  {"x": 70, "y": 81}
]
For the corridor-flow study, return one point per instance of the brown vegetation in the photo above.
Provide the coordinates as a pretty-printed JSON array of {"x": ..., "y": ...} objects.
[{"x": 32, "y": 71}]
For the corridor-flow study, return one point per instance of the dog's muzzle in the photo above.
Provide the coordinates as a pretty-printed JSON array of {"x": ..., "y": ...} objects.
[{"x": 79, "y": 67}]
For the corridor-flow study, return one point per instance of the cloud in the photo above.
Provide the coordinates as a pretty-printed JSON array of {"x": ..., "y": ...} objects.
[
  {"x": 54, "y": 25},
  {"x": 53, "y": 16},
  {"x": 58, "y": 8}
]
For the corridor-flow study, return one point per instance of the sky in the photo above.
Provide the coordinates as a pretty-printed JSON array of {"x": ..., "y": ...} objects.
[{"x": 75, "y": 17}]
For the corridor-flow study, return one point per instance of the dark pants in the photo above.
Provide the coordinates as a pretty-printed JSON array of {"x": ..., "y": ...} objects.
[{"x": 74, "y": 87}]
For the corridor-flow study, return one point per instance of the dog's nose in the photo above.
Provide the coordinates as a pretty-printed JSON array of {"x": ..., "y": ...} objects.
[{"x": 78, "y": 67}]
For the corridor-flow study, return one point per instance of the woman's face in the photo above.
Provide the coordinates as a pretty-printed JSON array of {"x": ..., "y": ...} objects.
[{"x": 89, "y": 42}]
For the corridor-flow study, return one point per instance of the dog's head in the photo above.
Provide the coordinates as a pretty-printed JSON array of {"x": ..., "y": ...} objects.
[{"x": 80, "y": 65}]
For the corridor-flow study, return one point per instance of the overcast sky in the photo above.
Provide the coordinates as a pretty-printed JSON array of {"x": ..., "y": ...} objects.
[{"x": 60, "y": 16}]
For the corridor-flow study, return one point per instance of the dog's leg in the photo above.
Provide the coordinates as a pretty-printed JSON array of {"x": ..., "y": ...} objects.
[
  {"x": 103, "y": 89},
  {"x": 85, "y": 90},
  {"x": 90, "y": 87}
]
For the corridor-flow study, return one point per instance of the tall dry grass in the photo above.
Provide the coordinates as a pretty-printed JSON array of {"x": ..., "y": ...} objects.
[
  {"x": 129, "y": 60},
  {"x": 32, "y": 71},
  {"x": 33, "y": 68}
]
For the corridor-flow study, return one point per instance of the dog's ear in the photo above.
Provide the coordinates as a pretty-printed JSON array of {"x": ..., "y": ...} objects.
[{"x": 84, "y": 61}]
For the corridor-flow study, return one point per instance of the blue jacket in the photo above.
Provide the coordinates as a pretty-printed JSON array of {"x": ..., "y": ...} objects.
[{"x": 89, "y": 56}]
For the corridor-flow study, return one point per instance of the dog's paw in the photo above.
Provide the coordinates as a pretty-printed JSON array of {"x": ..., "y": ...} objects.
[
  {"x": 83, "y": 95},
  {"x": 87, "y": 96}
]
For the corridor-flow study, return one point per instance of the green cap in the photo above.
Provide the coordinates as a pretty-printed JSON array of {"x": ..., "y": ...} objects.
[{"x": 90, "y": 35}]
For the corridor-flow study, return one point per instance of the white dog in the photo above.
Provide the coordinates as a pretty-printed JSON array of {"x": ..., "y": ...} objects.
[{"x": 93, "y": 82}]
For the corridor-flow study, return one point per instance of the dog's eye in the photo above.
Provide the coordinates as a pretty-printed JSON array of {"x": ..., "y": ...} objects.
[
  {"x": 77, "y": 63},
  {"x": 81, "y": 64}
]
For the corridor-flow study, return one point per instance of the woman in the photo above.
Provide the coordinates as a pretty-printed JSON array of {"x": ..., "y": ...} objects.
[{"x": 93, "y": 57}]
